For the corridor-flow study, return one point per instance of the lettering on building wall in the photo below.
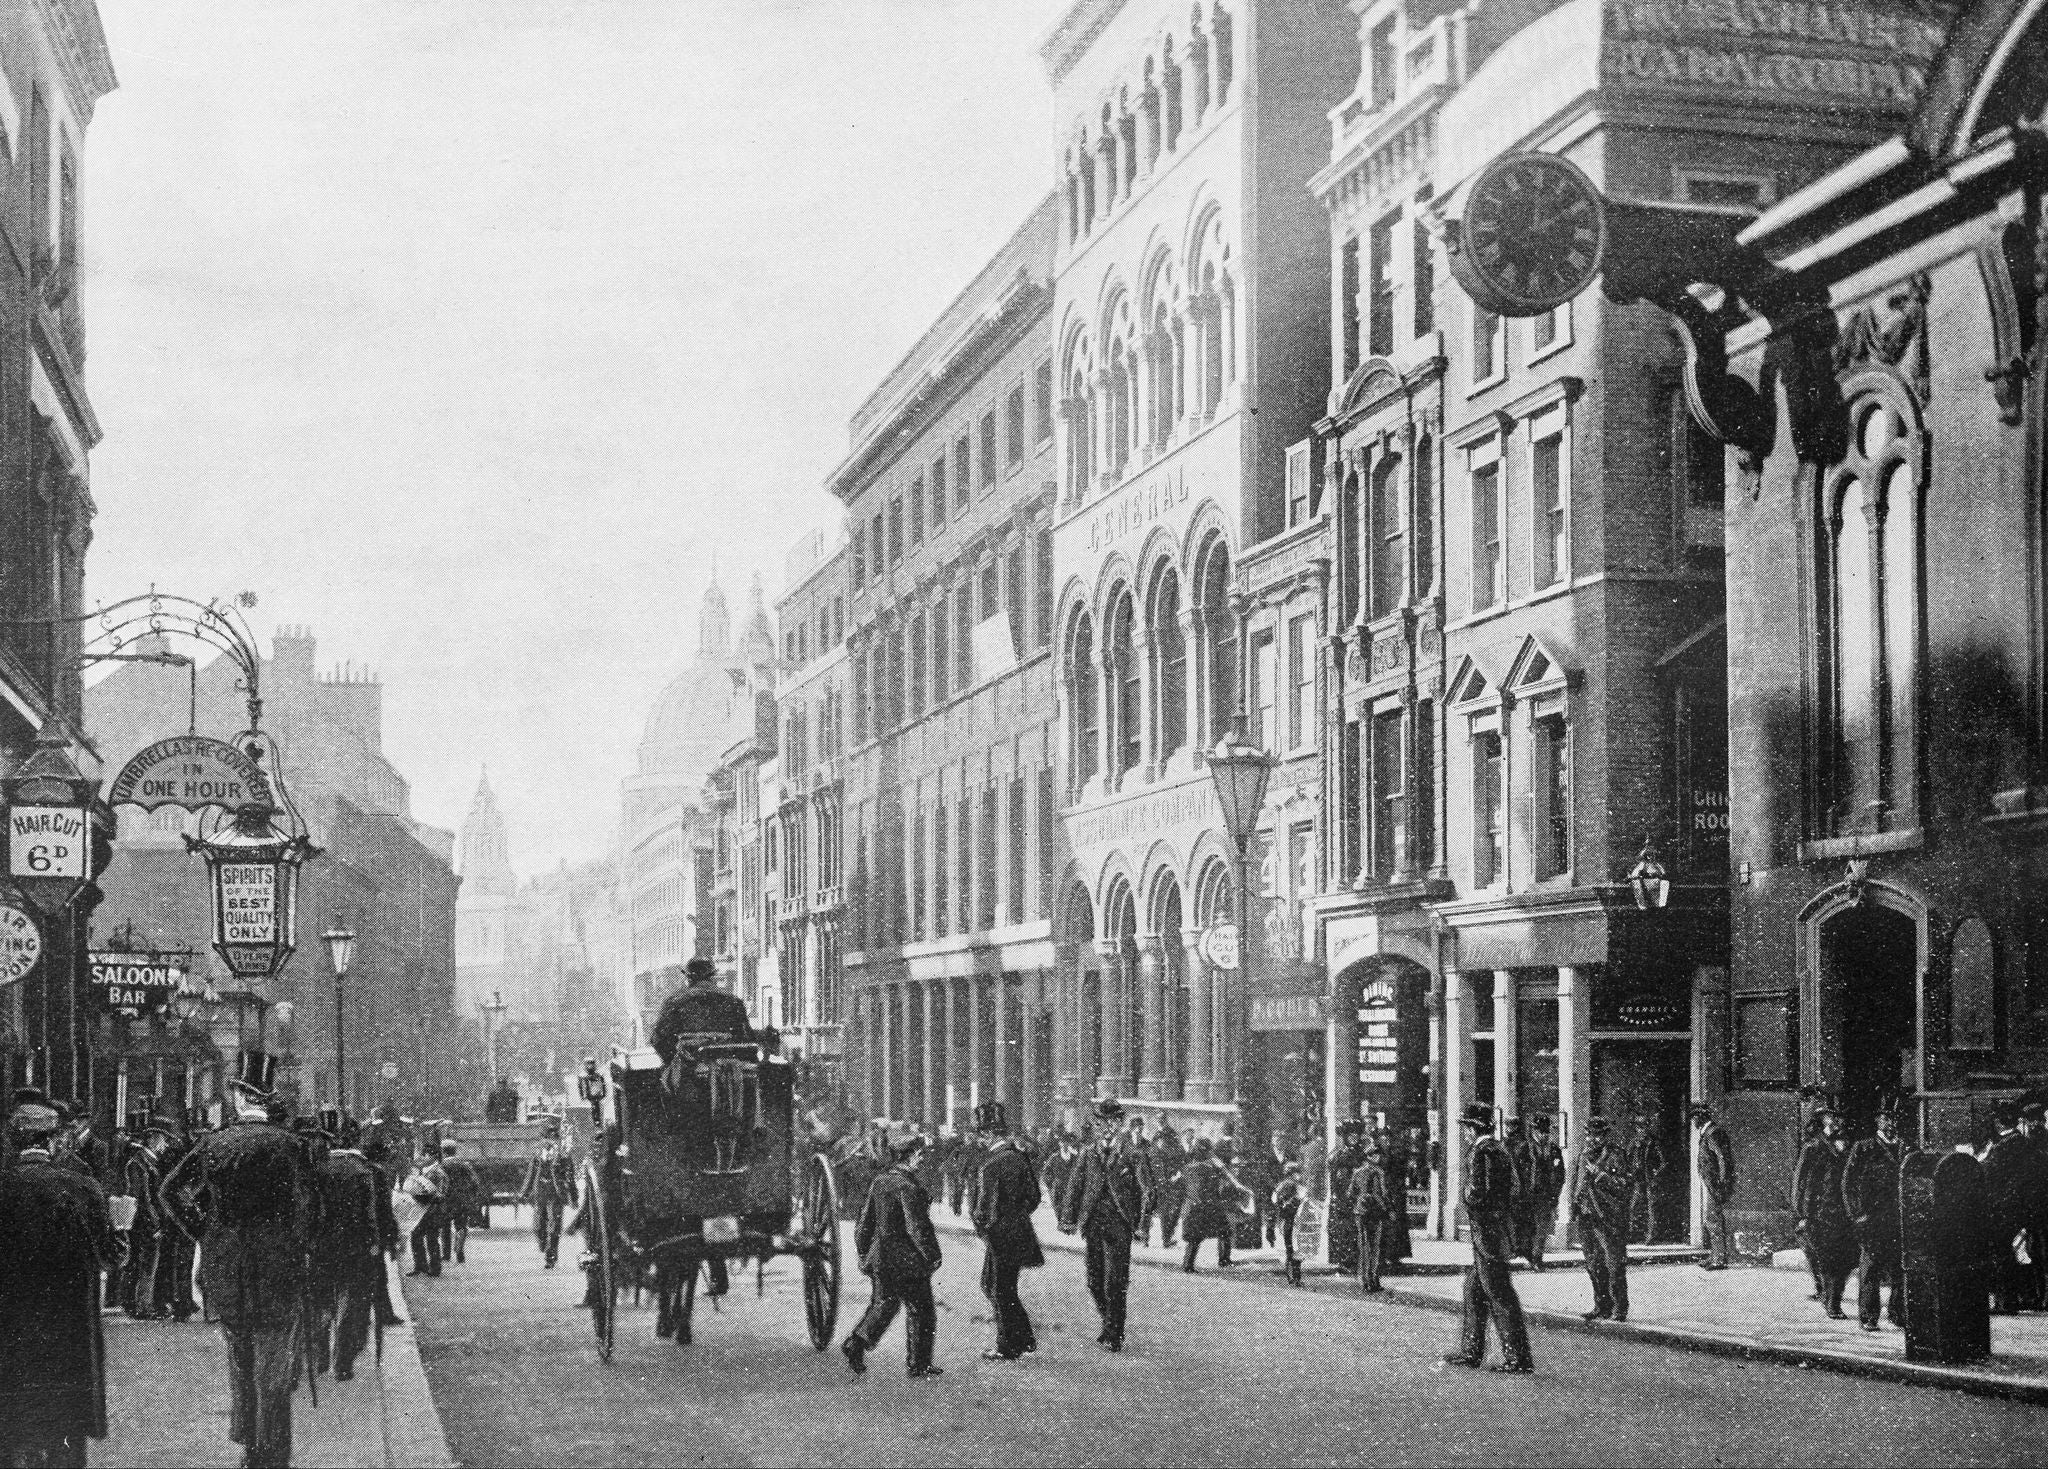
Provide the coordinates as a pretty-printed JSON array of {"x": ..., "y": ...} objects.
[
  {"x": 1136, "y": 508},
  {"x": 1780, "y": 50},
  {"x": 1185, "y": 805}
]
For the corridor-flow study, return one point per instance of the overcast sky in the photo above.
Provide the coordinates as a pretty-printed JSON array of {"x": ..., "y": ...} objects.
[{"x": 466, "y": 331}]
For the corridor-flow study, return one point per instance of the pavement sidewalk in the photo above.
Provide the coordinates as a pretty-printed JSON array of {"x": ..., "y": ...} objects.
[
  {"x": 167, "y": 1404},
  {"x": 1755, "y": 1313}
]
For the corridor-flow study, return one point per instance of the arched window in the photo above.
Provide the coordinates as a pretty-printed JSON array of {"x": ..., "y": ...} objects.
[
  {"x": 1128, "y": 733},
  {"x": 1212, "y": 343},
  {"x": 1119, "y": 408},
  {"x": 1171, "y": 651},
  {"x": 1389, "y": 537},
  {"x": 1085, "y": 734},
  {"x": 1872, "y": 524},
  {"x": 1216, "y": 624}
]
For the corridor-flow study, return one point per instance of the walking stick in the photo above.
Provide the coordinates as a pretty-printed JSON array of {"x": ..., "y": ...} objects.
[{"x": 306, "y": 1333}]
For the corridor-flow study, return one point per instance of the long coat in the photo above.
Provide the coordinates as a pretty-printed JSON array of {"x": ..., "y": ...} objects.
[
  {"x": 1870, "y": 1187},
  {"x": 353, "y": 1201},
  {"x": 1817, "y": 1199},
  {"x": 1204, "y": 1210},
  {"x": 894, "y": 1237},
  {"x": 1002, "y": 1212},
  {"x": 1717, "y": 1161},
  {"x": 1109, "y": 1189},
  {"x": 254, "y": 1184},
  {"x": 55, "y": 1237}
]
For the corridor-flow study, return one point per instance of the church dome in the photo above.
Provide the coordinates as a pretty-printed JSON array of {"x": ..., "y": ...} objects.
[{"x": 708, "y": 706}]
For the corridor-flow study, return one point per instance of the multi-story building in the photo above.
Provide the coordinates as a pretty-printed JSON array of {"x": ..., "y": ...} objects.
[
  {"x": 54, "y": 68},
  {"x": 1526, "y": 702},
  {"x": 384, "y": 875},
  {"x": 806, "y": 825},
  {"x": 1189, "y": 287},
  {"x": 948, "y": 780}
]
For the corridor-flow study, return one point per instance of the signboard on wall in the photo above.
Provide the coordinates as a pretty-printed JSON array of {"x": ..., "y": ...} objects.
[
  {"x": 136, "y": 984},
  {"x": 192, "y": 771},
  {"x": 21, "y": 943},
  {"x": 1379, "y": 1035}
]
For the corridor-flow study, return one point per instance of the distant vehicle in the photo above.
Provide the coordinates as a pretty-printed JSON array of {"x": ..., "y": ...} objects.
[{"x": 501, "y": 1151}]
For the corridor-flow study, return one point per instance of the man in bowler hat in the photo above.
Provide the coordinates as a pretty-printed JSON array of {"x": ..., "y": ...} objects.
[
  {"x": 899, "y": 1253},
  {"x": 1870, "y": 1193},
  {"x": 1108, "y": 1195},
  {"x": 1003, "y": 1206},
  {"x": 1820, "y": 1213},
  {"x": 1489, "y": 1199},
  {"x": 1602, "y": 1186}
]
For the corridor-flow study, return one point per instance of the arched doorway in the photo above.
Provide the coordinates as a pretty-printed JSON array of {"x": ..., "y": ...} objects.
[{"x": 1868, "y": 1006}]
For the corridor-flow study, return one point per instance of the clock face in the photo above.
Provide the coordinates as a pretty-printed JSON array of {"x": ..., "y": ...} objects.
[{"x": 1533, "y": 234}]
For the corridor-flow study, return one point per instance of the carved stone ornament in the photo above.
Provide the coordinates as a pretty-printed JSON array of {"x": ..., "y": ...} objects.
[
  {"x": 1857, "y": 881},
  {"x": 1890, "y": 331}
]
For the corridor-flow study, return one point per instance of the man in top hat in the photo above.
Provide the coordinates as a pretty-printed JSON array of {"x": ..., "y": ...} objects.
[
  {"x": 1061, "y": 1159},
  {"x": 1342, "y": 1232},
  {"x": 1489, "y": 1199},
  {"x": 1602, "y": 1186},
  {"x": 1870, "y": 1193},
  {"x": 899, "y": 1253},
  {"x": 56, "y": 1237},
  {"x": 357, "y": 1231},
  {"x": 550, "y": 1187},
  {"x": 146, "y": 1241},
  {"x": 1819, "y": 1212},
  {"x": 1205, "y": 1192},
  {"x": 2008, "y": 1170},
  {"x": 700, "y": 1008},
  {"x": 1714, "y": 1159},
  {"x": 1169, "y": 1157},
  {"x": 1108, "y": 1195},
  {"x": 252, "y": 1186},
  {"x": 1004, "y": 1202},
  {"x": 1545, "y": 1186},
  {"x": 1368, "y": 1204}
]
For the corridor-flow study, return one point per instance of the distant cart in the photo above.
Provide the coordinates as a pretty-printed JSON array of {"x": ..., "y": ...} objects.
[
  {"x": 699, "y": 1161},
  {"x": 500, "y": 1153}
]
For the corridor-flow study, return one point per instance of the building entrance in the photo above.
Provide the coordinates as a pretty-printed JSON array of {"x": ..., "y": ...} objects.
[
  {"x": 1869, "y": 974},
  {"x": 1642, "y": 1087}
]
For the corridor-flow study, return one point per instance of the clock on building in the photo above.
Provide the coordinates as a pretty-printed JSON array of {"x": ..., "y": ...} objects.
[{"x": 1532, "y": 237}]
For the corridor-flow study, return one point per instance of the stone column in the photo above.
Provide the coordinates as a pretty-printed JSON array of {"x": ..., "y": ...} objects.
[
  {"x": 1506, "y": 1074},
  {"x": 960, "y": 1070},
  {"x": 934, "y": 1050},
  {"x": 882, "y": 1004},
  {"x": 1574, "y": 1076},
  {"x": 1004, "y": 1073},
  {"x": 977, "y": 1049},
  {"x": 1115, "y": 1080},
  {"x": 1146, "y": 648},
  {"x": 1066, "y": 1044},
  {"x": 1457, "y": 1084},
  {"x": 1031, "y": 1065},
  {"x": 1201, "y": 1044},
  {"x": 1152, "y": 991}
]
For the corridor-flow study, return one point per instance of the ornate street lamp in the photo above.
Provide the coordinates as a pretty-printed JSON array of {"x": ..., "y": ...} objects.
[
  {"x": 49, "y": 823},
  {"x": 1648, "y": 881},
  {"x": 341, "y": 952},
  {"x": 1241, "y": 770},
  {"x": 254, "y": 870},
  {"x": 493, "y": 1011}
]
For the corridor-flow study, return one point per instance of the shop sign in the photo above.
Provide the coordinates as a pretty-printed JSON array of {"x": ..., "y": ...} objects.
[
  {"x": 136, "y": 984},
  {"x": 1652, "y": 1012},
  {"x": 1288, "y": 1012},
  {"x": 1219, "y": 946},
  {"x": 21, "y": 943},
  {"x": 47, "y": 841},
  {"x": 1379, "y": 1014},
  {"x": 192, "y": 771},
  {"x": 247, "y": 917}
]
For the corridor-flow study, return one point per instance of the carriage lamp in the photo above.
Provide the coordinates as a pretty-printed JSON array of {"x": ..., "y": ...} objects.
[{"x": 1648, "y": 880}]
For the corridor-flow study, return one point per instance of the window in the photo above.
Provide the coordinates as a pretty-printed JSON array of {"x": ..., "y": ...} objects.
[
  {"x": 1872, "y": 510},
  {"x": 965, "y": 884},
  {"x": 1380, "y": 314},
  {"x": 1388, "y": 794},
  {"x": 1489, "y": 359},
  {"x": 942, "y": 912},
  {"x": 917, "y": 666},
  {"x": 1041, "y": 393},
  {"x": 1423, "y": 287},
  {"x": 1042, "y": 623},
  {"x": 1225, "y": 62},
  {"x": 1013, "y": 416},
  {"x": 1130, "y": 714},
  {"x": 1085, "y": 736},
  {"x": 1298, "y": 478},
  {"x": 860, "y": 698},
  {"x": 1383, "y": 63},
  {"x": 1422, "y": 507},
  {"x": 1751, "y": 191},
  {"x": 985, "y": 857},
  {"x": 1350, "y": 283},
  {"x": 1048, "y": 818},
  {"x": 859, "y": 570},
  {"x": 1301, "y": 681},
  {"x": 941, "y": 663},
  {"x": 894, "y": 696},
  {"x": 963, "y": 472},
  {"x": 1487, "y": 588},
  {"x": 1489, "y": 811},
  {"x": 1172, "y": 651},
  {"x": 1219, "y": 626},
  {"x": 918, "y": 911},
  {"x": 988, "y": 449},
  {"x": 963, "y": 645},
  {"x": 1547, "y": 506},
  {"x": 938, "y": 480},
  {"x": 1265, "y": 731},
  {"x": 895, "y": 531},
  {"x": 917, "y": 511},
  {"x": 875, "y": 548},
  {"x": 1017, "y": 848},
  {"x": 1013, "y": 566},
  {"x": 1551, "y": 329},
  {"x": 1422, "y": 789},
  {"x": 1387, "y": 575},
  {"x": 1553, "y": 782}
]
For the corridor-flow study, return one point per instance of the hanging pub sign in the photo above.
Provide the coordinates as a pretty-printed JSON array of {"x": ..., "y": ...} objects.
[
  {"x": 1219, "y": 946},
  {"x": 21, "y": 943},
  {"x": 136, "y": 984},
  {"x": 254, "y": 869},
  {"x": 192, "y": 771}
]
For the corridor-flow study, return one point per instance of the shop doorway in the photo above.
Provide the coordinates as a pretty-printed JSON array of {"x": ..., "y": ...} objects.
[
  {"x": 1869, "y": 977},
  {"x": 1642, "y": 1087}
]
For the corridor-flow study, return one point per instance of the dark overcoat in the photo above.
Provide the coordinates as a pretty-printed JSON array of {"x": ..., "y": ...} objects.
[
  {"x": 1817, "y": 1199},
  {"x": 894, "y": 1237},
  {"x": 1109, "y": 1189},
  {"x": 1205, "y": 1201},
  {"x": 352, "y": 1198},
  {"x": 254, "y": 1186},
  {"x": 1002, "y": 1213},
  {"x": 55, "y": 1237}
]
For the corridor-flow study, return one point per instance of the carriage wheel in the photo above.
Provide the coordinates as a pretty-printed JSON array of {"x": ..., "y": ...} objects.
[
  {"x": 604, "y": 1280},
  {"x": 818, "y": 1227}
]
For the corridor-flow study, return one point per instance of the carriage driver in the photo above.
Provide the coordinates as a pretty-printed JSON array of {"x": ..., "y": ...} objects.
[{"x": 700, "y": 1008}]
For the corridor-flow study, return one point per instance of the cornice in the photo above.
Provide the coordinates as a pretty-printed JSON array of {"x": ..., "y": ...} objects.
[
  {"x": 80, "y": 44},
  {"x": 57, "y": 362},
  {"x": 1073, "y": 33}
]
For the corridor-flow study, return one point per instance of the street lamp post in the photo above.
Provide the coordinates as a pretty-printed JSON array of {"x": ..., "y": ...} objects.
[
  {"x": 341, "y": 949},
  {"x": 492, "y": 1012},
  {"x": 1240, "y": 770}
]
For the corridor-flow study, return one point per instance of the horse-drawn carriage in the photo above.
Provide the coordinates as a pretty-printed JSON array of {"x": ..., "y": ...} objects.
[{"x": 697, "y": 1164}]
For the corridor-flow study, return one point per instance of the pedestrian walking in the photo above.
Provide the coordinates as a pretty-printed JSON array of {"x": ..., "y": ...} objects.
[
  {"x": 1602, "y": 1187},
  {"x": 1870, "y": 1194},
  {"x": 1647, "y": 1161},
  {"x": 459, "y": 1209},
  {"x": 1399, "y": 1159},
  {"x": 356, "y": 1234},
  {"x": 1819, "y": 1212},
  {"x": 899, "y": 1253},
  {"x": 1546, "y": 1185},
  {"x": 428, "y": 1185},
  {"x": 1287, "y": 1198},
  {"x": 1489, "y": 1199},
  {"x": 1169, "y": 1159},
  {"x": 2033, "y": 1202},
  {"x": 1368, "y": 1205},
  {"x": 1714, "y": 1160},
  {"x": 146, "y": 1233},
  {"x": 1342, "y": 1231},
  {"x": 1515, "y": 1138},
  {"x": 1205, "y": 1213},
  {"x": 176, "y": 1255},
  {"x": 1812, "y": 1099},
  {"x": 1005, "y": 1199},
  {"x": 252, "y": 1191},
  {"x": 1107, "y": 1198},
  {"x": 2008, "y": 1171},
  {"x": 55, "y": 1237},
  {"x": 550, "y": 1187},
  {"x": 1059, "y": 1166}
]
